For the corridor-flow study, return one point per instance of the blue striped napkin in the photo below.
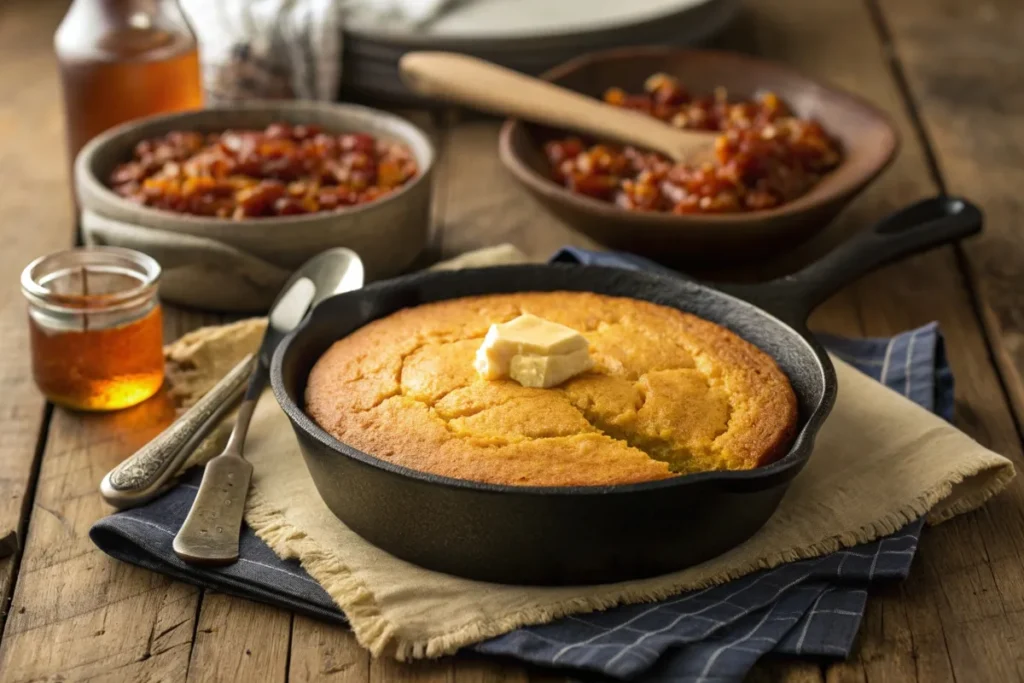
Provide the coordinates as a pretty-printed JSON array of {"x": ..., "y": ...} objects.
[{"x": 806, "y": 608}]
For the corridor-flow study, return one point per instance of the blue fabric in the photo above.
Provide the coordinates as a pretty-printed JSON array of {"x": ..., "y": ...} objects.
[{"x": 806, "y": 608}]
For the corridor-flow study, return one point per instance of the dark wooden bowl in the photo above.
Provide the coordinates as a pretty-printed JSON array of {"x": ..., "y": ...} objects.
[{"x": 869, "y": 140}]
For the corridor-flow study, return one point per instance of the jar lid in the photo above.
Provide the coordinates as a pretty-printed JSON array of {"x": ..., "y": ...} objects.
[{"x": 90, "y": 279}]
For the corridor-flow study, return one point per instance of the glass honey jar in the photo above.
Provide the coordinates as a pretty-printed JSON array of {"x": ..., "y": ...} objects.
[{"x": 95, "y": 327}]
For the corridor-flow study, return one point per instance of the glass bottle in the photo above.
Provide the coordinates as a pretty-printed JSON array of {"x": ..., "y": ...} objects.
[{"x": 124, "y": 59}]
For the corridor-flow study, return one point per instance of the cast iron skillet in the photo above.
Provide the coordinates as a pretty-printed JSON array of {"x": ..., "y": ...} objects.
[{"x": 576, "y": 535}]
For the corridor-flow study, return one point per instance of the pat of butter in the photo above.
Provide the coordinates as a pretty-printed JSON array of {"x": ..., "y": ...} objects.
[
  {"x": 533, "y": 351},
  {"x": 543, "y": 372}
]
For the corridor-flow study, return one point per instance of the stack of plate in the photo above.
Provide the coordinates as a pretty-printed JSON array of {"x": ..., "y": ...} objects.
[{"x": 526, "y": 35}]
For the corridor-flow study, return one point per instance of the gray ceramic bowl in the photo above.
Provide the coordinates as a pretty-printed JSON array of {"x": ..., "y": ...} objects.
[{"x": 226, "y": 265}]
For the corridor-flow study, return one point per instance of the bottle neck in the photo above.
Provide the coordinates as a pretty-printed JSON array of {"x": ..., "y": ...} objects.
[
  {"x": 127, "y": 29},
  {"x": 120, "y": 8}
]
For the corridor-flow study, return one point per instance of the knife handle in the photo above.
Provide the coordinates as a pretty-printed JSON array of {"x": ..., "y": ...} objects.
[
  {"x": 142, "y": 476},
  {"x": 210, "y": 534}
]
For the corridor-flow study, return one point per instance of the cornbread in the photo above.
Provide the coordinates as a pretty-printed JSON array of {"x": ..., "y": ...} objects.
[{"x": 669, "y": 393}]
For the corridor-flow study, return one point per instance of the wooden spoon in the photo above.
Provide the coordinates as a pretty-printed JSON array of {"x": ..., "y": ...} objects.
[{"x": 489, "y": 87}]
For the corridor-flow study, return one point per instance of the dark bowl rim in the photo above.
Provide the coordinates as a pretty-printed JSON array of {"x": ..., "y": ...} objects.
[
  {"x": 807, "y": 202},
  {"x": 782, "y": 469},
  {"x": 83, "y": 170}
]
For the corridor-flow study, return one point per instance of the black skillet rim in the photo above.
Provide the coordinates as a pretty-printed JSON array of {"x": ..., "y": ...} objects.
[{"x": 789, "y": 464}]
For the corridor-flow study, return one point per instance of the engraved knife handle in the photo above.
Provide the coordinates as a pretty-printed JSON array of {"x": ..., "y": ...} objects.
[{"x": 142, "y": 476}]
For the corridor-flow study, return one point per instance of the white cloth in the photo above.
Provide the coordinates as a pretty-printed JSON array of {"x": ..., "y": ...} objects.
[{"x": 286, "y": 49}]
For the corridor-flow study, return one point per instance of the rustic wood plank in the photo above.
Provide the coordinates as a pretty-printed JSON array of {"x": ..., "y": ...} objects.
[
  {"x": 963, "y": 66},
  {"x": 239, "y": 640},
  {"x": 967, "y": 107},
  {"x": 37, "y": 221},
  {"x": 885, "y": 622},
  {"x": 969, "y": 570},
  {"x": 775, "y": 669},
  {"x": 325, "y": 653},
  {"x": 108, "y": 620},
  {"x": 385, "y": 670},
  {"x": 969, "y": 573},
  {"x": 105, "y": 617},
  {"x": 480, "y": 670}
]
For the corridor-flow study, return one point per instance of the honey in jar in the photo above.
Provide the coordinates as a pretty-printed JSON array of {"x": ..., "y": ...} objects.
[
  {"x": 124, "y": 59},
  {"x": 95, "y": 327}
]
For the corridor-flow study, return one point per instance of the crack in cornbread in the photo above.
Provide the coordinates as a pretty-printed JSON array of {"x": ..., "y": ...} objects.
[{"x": 669, "y": 393}]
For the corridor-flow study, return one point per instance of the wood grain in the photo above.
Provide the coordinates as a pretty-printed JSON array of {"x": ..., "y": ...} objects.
[
  {"x": 385, "y": 670},
  {"x": 969, "y": 91},
  {"x": 480, "y": 670},
  {"x": 33, "y": 174},
  {"x": 774, "y": 670},
  {"x": 969, "y": 95},
  {"x": 324, "y": 653},
  {"x": 239, "y": 640},
  {"x": 107, "y": 616},
  {"x": 112, "y": 620}
]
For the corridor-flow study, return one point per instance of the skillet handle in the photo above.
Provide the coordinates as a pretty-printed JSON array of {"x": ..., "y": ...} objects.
[{"x": 916, "y": 228}]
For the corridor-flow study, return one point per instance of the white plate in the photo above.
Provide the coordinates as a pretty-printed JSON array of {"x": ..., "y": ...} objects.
[
  {"x": 371, "y": 61},
  {"x": 473, "y": 21}
]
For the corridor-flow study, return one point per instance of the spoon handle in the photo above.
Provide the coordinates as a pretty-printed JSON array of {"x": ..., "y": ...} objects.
[
  {"x": 142, "y": 476},
  {"x": 489, "y": 87}
]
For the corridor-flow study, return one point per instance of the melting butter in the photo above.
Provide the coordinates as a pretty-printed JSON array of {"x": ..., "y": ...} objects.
[{"x": 533, "y": 351}]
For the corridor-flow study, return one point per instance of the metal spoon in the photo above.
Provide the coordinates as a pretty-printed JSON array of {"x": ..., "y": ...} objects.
[{"x": 211, "y": 531}]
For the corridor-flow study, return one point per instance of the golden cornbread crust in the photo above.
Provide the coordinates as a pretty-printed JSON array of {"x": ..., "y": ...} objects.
[{"x": 670, "y": 393}]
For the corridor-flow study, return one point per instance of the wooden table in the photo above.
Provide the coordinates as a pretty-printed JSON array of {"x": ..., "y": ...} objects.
[{"x": 949, "y": 72}]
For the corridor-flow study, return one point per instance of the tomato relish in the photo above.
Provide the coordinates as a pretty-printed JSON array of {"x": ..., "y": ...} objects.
[
  {"x": 765, "y": 155},
  {"x": 279, "y": 171}
]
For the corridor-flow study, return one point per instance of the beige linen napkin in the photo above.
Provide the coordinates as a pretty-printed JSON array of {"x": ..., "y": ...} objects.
[{"x": 880, "y": 462}]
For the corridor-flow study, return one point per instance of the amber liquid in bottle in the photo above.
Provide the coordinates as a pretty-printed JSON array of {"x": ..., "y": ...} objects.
[{"x": 122, "y": 60}]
